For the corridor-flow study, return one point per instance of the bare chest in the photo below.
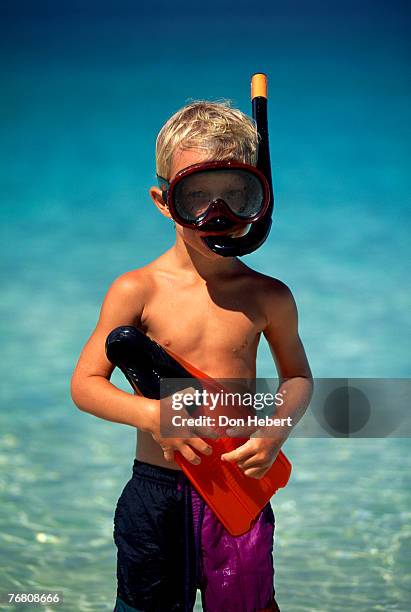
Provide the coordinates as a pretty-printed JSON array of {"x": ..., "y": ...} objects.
[{"x": 218, "y": 334}]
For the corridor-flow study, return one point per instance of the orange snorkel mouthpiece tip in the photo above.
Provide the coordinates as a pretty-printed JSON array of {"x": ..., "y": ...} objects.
[{"x": 259, "y": 85}]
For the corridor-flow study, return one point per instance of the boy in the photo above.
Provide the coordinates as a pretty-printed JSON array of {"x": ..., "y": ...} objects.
[{"x": 211, "y": 311}]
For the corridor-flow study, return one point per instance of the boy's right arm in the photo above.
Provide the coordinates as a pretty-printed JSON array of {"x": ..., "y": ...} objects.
[{"x": 91, "y": 389}]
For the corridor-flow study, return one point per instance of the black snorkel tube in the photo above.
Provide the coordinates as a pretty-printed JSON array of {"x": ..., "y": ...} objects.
[{"x": 258, "y": 233}]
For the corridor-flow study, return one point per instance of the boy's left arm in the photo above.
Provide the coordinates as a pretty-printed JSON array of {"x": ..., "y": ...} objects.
[{"x": 257, "y": 455}]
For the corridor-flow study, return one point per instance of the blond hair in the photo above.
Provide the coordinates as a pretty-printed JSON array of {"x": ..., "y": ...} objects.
[{"x": 223, "y": 132}]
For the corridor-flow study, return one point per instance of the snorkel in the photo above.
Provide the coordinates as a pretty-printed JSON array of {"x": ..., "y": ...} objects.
[{"x": 227, "y": 246}]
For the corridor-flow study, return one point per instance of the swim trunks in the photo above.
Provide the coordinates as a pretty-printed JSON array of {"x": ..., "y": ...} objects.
[{"x": 169, "y": 543}]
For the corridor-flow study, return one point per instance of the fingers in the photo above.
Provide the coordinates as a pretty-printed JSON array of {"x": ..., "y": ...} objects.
[
  {"x": 190, "y": 455},
  {"x": 253, "y": 466},
  {"x": 200, "y": 445},
  {"x": 250, "y": 458},
  {"x": 251, "y": 462},
  {"x": 241, "y": 453},
  {"x": 257, "y": 473},
  {"x": 168, "y": 454},
  {"x": 185, "y": 447}
]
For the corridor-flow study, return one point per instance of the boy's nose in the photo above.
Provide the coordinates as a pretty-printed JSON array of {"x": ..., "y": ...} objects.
[
  {"x": 217, "y": 223},
  {"x": 217, "y": 209}
]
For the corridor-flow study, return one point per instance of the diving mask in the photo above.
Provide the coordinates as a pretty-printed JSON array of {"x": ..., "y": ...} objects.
[{"x": 216, "y": 195}]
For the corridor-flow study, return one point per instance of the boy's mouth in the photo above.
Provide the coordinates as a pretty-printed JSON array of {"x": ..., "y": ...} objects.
[
  {"x": 238, "y": 230},
  {"x": 221, "y": 226},
  {"x": 233, "y": 232}
]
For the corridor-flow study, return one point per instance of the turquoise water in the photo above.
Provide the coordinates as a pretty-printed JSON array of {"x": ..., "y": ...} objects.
[{"x": 83, "y": 97}]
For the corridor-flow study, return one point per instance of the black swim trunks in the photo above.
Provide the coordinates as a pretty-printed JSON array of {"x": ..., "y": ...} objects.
[
  {"x": 170, "y": 542},
  {"x": 155, "y": 542}
]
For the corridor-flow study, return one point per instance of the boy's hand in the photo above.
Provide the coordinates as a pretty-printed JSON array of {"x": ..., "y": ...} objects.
[
  {"x": 185, "y": 444},
  {"x": 256, "y": 456}
]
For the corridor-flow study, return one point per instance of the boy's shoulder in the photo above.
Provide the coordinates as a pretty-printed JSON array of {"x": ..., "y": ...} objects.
[
  {"x": 273, "y": 295},
  {"x": 128, "y": 294},
  {"x": 130, "y": 287},
  {"x": 130, "y": 281},
  {"x": 138, "y": 279},
  {"x": 137, "y": 284},
  {"x": 267, "y": 285}
]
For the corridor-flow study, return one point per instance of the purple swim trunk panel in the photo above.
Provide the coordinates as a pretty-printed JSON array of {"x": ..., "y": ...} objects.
[{"x": 234, "y": 573}]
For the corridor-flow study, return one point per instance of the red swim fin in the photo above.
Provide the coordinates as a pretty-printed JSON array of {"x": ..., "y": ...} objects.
[{"x": 235, "y": 498}]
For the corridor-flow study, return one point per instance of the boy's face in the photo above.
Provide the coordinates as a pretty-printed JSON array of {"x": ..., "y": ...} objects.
[{"x": 180, "y": 160}]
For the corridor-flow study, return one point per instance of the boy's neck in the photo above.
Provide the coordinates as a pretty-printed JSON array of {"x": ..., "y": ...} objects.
[{"x": 188, "y": 259}]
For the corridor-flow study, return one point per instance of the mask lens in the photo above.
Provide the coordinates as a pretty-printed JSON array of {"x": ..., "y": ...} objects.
[{"x": 240, "y": 189}]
